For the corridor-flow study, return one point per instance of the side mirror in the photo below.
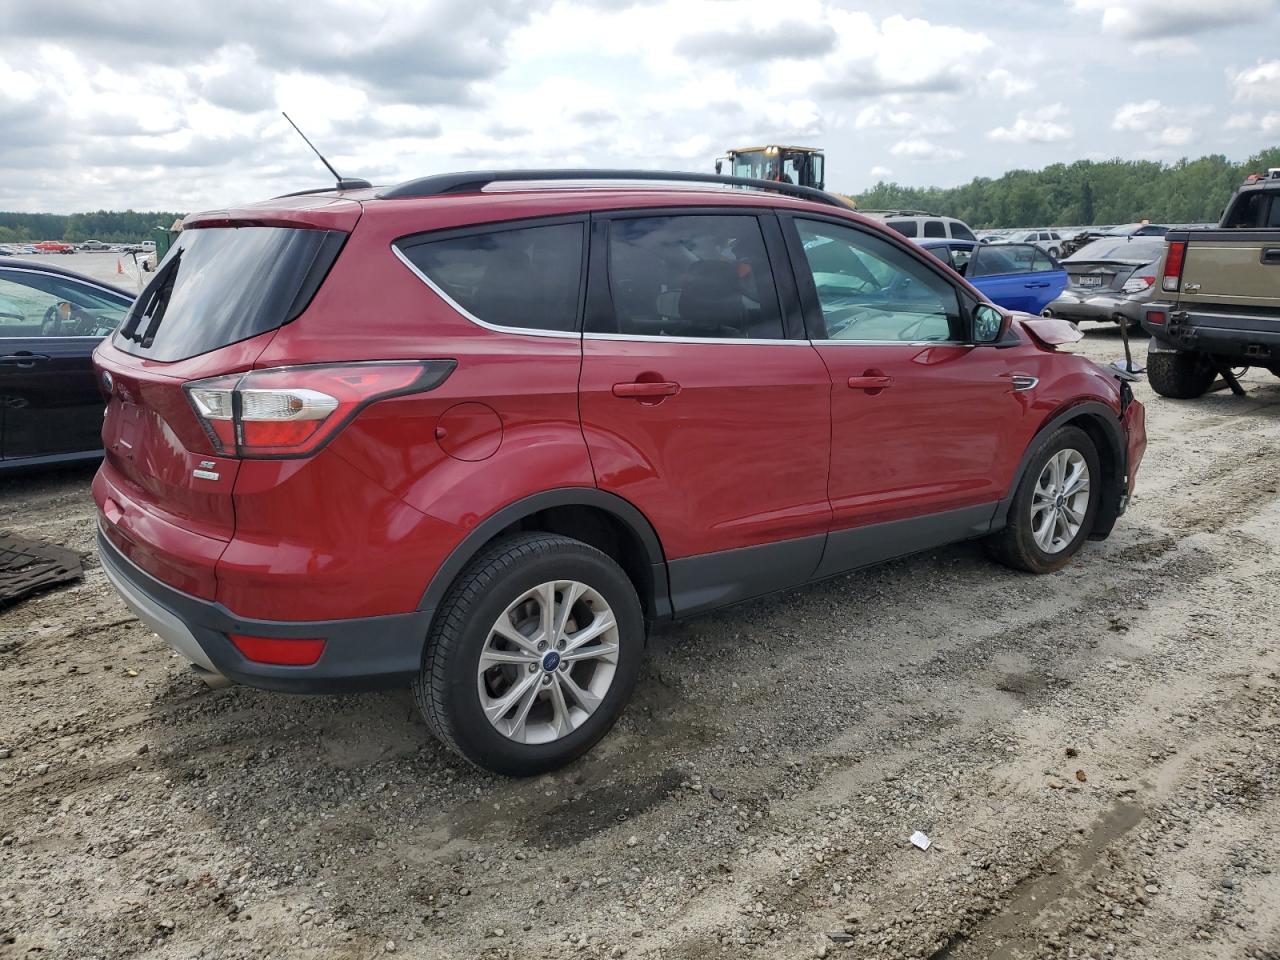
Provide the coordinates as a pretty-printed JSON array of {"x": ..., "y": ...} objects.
[{"x": 989, "y": 324}]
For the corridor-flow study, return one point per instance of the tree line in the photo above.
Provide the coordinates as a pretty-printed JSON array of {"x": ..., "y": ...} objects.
[
  {"x": 112, "y": 226},
  {"x": 1083, "y": 193}
]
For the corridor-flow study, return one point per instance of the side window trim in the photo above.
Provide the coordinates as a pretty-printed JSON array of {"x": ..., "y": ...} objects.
[
  {"x": 399, "y": 245},
  {"x": 809, "y": 295},
  {"x": 599, "y": 297}
]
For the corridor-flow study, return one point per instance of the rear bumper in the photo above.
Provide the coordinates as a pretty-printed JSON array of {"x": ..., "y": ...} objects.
[
  {"x": 1248, "y": 337},
  {"x": 364, "y": 653},
  {"x": 1100, "y": 307}
]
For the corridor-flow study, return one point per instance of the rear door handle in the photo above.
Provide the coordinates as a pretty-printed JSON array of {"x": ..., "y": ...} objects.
[
  {"x": 1271, "y": 255},
  {"x": 646, "y": 391},
  {"x": 23, "y": 359},
  {"x": 870, "y": 383},
  {"x": 1034, "y": 286}
]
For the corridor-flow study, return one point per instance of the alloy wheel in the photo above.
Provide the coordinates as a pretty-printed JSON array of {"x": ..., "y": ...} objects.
[
  {"x": 548, "y": 662},
  {"x": 1060, "y": 500}
]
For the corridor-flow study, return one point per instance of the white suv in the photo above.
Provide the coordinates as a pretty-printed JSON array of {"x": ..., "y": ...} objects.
[
  {"x": 920, "y": 226},
  {"x": 1050, "y": 241}
]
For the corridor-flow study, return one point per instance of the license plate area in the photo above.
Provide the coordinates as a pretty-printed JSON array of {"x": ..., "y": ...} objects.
[{"x": 1089, "y": 281}]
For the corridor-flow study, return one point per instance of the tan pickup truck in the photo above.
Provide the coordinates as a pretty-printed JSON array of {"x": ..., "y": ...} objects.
[{"x": 1218, "y": 305}]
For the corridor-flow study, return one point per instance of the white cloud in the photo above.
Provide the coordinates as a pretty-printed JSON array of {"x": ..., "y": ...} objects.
[
  {"x": 922, "y": 149},
  {"x": 879, "y": 173},
  {"x": 1148, "y": 20},
  {"x": 1160, "y": 125},
  {"x": 1045, "y": 125},
  {"x": 1261, "y": 82},
  {"x": 880, "y": 116},
  {"x": 1268, "y": 123},
  {"x": 1003, "y": 83}
]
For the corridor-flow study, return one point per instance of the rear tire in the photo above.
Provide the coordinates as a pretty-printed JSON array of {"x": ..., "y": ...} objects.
[
  {"x": 560, "y": 706},
  {"x": 1180, "y": 376},
  {"x": 1038, "y": 537}
]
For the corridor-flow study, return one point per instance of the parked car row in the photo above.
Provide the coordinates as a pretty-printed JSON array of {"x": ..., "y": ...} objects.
[{"x": 64, "y": 247}]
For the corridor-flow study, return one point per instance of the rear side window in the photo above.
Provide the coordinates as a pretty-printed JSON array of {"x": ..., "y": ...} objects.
[
  {"x": 529, "y": 278},
  {"x": 908, "y": 228},
  {"x": 960, "y": 232},
  {"x": 691, "y": 276},
  {"x": 935, "y": 228},
  {"x": 220, "y": 285}
]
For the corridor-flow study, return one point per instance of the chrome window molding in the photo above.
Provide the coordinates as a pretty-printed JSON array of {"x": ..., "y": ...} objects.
[
  {"x": 653, "y": 338},
  {"x": 463, "y": 311}
]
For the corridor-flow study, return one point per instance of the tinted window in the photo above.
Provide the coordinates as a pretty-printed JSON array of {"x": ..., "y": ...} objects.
[
  {"x": 960, "y": 232},
  {"x": 1139, "y": 249},
  {"x": 868, "y": 289},
  {"x": 1004, "y": 258},
  {"x": 44, "y": 305},
  {"x": 691, "y": 276},
  {"x": 943, "y": 254},
  {"x": 1042, "y": 262},
  {"x": 221, "y": 285},
  {"x": 528, "y": 278},
  {"x": 935, "y": 228},
  {"x": 908, "y": 228}
]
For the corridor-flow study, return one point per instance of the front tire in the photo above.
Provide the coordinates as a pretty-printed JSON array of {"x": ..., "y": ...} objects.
[
  {"x": 1180, "y": 376},
  {"x": 532, "y": 655},
  {"x": 1055, "y": 505}
]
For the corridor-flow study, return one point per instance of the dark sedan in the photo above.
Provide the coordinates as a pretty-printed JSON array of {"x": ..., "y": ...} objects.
[{"x": 50, "y": 322}]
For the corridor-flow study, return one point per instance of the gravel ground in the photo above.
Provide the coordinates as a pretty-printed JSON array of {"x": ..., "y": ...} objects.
[{"x": 1095, "y": 755}]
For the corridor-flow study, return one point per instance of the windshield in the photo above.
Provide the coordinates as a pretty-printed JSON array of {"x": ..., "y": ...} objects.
[
  {"x": 755, "y": 164},
  {"x": 221, "y": 285},
  {"x": 1136, "y": 249}
]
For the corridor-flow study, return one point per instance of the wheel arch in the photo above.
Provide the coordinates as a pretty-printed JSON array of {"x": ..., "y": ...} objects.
[
  {"x": 1103, "y": 426},
  {"x": 603, "y": 520}
]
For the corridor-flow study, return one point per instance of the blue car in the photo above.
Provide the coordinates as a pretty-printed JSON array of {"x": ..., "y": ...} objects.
[{"x": 1016, "y": 276}]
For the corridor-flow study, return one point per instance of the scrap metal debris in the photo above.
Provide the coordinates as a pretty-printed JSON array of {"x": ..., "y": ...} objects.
[{"x": 28, "y": 566}]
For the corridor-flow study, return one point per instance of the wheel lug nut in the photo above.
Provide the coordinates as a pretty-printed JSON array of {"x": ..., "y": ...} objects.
[
  {"x": 564, "y": 666},
  {"x": 560, "y": 645},
  {"x": 533, "y": 668},
  {"x": 542, "y": 644},
  {"x": 546, "y": 679}
]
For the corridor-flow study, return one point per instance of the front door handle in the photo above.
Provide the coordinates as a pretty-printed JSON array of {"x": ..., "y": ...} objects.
[
  {"x": 646, "y": 391},
  {"x": 1271, "y": 255},
  {"x": 870, "y": 382},
  {"x": 23, "y": 359}
]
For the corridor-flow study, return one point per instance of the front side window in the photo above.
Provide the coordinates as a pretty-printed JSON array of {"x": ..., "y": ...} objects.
[
  {"x": 869, "y": 290},
  {"x": 43, "y": 305},
  {"x": 690, "y": 276},
  {"x": 529, "y": 278}
]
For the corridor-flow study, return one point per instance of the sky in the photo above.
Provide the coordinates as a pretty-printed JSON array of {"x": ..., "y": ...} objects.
[{"x": 176, "y": 105}]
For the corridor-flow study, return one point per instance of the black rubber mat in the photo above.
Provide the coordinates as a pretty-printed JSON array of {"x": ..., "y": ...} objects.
[{"x": 27, "y": 567}]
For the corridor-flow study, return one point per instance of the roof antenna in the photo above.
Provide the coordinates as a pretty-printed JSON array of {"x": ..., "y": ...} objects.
[{"x": 344, "y": 183}]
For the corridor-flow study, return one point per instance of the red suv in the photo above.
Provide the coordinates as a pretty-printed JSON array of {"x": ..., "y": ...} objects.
[{"x": 476, "y": 432}]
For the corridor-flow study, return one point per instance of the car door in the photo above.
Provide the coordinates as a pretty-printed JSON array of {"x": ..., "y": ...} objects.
[
  {"x": 1006, "y": 274},
  {"x": 701, "y": 401},
  {"x": 49, "y": 326},
  {"x": 925, "y": 427}
]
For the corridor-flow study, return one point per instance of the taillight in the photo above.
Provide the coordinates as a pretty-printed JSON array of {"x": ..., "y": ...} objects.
[
  {"x": 1138, "y": 284},
  {"x": 293, "y": 411},
  {"x": 1173, "y": 258}
]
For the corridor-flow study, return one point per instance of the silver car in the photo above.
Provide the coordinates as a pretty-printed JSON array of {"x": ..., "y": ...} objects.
[{"x": 1109, "y": 280}]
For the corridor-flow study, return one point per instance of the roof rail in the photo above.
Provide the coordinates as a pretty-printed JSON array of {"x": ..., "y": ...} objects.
[{"x": 476, "y": 180}]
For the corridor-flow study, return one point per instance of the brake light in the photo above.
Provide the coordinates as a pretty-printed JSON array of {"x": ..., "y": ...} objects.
[
  {"x": 1173, "y": 259},
  {"x": 279, "y": 651},
  {"x": 1138, "y": 284},
  {"x": 293, "y": 411}
]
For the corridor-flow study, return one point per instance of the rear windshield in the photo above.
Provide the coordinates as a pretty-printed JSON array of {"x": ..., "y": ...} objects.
[
  {"x": 220, "y": 285},
  {"x": 1137, "y": 249}
]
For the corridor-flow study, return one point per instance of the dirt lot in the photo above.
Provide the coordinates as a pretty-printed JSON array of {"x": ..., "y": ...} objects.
[{"x": 1095, "y": 754}]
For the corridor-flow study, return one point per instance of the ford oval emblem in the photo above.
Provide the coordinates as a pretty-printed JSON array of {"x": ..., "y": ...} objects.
[{"x": 107, "y": 382}]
